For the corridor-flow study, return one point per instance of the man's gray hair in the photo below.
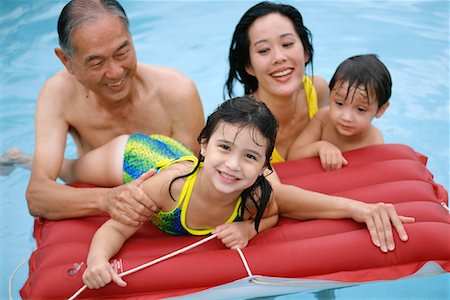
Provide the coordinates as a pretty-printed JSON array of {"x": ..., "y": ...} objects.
[{"x": 79, "y": 12}]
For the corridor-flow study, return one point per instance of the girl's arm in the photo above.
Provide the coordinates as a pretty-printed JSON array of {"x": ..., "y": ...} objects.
[
  {"x": 111, "y": 236},
  {"x": 106, "y": 242},
  {"x": 238, "y": 234},
  {"x": 297, "y": 203}
]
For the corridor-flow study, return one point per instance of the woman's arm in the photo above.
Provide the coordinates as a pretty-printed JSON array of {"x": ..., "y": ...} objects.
[{"x": 322, "y": 90}]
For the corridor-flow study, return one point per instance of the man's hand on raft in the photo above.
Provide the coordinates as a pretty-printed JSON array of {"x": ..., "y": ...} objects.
[
  {"x": 379, "y": 219},
  {"x": 129, "y": 204}
]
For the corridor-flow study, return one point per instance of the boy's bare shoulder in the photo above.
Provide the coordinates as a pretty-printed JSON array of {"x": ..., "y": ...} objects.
[{"x": 323, "y": 114}]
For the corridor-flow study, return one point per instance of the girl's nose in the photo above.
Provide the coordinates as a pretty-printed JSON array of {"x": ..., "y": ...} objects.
[{"x": 233, "y": 162}]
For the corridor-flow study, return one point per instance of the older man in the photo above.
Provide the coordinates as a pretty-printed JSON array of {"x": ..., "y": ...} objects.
[{"x": 102, "y": 93}]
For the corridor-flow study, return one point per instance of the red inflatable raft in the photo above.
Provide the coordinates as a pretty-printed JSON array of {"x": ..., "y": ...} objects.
[{"x": 338, "y": 250}]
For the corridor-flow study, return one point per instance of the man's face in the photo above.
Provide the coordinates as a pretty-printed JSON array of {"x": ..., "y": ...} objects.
[{"x": 105, "y": 59}]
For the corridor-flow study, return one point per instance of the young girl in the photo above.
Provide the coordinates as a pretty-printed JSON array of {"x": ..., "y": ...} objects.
[
  {"x": 223, "y": 191},
  {"x": 360, "y": 91}
]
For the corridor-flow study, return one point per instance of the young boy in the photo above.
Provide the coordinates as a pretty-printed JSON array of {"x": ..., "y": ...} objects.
[{"x": 359, "y": 91}]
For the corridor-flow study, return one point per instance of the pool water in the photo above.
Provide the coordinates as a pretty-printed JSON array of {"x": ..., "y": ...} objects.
[{"x": 410, "y": 37}]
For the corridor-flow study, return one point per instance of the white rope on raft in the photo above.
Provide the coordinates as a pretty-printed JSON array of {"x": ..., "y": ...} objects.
[
  {"x": 153, "y": 262},
  {"x": 244, "y": 261}
]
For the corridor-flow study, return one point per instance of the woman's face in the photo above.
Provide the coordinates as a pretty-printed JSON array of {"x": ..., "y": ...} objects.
[{"x": 277, "y": 57}]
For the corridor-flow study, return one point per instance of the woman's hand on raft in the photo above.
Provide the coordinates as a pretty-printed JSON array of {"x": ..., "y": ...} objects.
[
  {"x": 235, "y": 235},
  {"x": 379, "y": 219},
  {"x": 129, "y": 204},
  {"x": 99, "y": 273}
]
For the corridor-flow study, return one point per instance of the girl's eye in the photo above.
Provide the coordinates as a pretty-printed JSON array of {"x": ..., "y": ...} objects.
[
  {"x": 362, "y": 109},
  {"x": 263, "y": 51},
  {"x": 251, "y": 156},
  {"x": 339, "y": 103},
  {"x": 224, "y": 147},
  {"x": 288, "y": 45}
]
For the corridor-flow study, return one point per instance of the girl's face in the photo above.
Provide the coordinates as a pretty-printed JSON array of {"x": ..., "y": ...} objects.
[
  {"x": 234, "y": 157},
  {"x": 352, "y": 114},
  {"x": 277, "y": 57}
]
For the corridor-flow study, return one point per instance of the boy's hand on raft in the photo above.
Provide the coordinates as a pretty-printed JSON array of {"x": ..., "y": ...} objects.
[
  {"x": 379, "y": 219},
  {"x": 99, "y": 273},
  {"x": 331, "y": 157},
  {"x": 129, "y": 204}
]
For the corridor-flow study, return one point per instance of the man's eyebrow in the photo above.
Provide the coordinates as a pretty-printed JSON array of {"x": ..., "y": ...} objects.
[
  {"x": 123, "y": 45},
  {"x": 90, "y": 58}
]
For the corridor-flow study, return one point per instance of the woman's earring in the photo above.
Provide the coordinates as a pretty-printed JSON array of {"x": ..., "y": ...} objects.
[{"x": 202, "y": 152}]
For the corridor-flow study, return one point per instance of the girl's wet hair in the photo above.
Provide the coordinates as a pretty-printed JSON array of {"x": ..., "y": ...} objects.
[
  {"x": 245, "y": 112},
  {"x": 366, "y": 70},
  {"x": 239, "y": 56},
  {"x": 78, "y": 12}
]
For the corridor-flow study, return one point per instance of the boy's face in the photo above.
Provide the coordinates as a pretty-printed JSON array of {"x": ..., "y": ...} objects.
[{"x": 352, "y": 110}]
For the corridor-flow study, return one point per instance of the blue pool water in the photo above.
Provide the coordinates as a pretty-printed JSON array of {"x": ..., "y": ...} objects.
[{"x": 411, "y": 37}]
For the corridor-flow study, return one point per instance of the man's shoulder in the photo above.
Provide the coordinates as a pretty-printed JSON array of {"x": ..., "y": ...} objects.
[
  {"x": 160, "y": 73},
  {"x": 61, "y": 82},
  {"x": 163, "y": 78},
  {"x": 168, "y": 83}
]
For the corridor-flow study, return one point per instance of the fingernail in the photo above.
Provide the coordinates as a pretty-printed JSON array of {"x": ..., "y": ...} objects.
[
  {"x": 383, "y": 248},
  {"x": 404, "y": 237},
  {"x": 391, "y": 246}
]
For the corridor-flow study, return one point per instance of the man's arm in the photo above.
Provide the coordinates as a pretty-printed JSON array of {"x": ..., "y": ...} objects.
[{"x": 49, "y": 199}]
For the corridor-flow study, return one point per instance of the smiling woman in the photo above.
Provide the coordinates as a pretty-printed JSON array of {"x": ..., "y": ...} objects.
[{"x": 411, "y": 37}]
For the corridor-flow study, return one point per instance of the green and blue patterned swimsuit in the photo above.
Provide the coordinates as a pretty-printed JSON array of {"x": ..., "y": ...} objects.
[{"x": 143, "y": 153}]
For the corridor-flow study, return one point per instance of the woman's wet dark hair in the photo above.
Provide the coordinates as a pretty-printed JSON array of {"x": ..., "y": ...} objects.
[
  {"x": 366, "y": 70},
  {"x": 78, "y": 12},
  {"x": 239, "y": 57},
  {"x": 245, "y": 112}
]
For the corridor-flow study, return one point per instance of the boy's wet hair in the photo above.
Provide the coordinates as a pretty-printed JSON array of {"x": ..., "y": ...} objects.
[
  {"x": 366, "y": 70},
  {"x": 239, "y": 57}
]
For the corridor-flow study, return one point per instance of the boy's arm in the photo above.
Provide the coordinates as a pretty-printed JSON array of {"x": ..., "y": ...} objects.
[{"x": 307, "y": 144}]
